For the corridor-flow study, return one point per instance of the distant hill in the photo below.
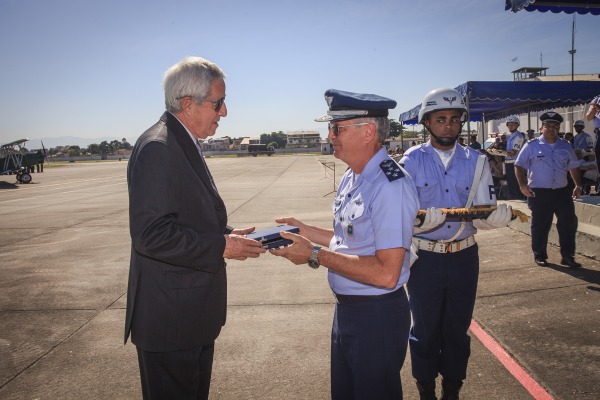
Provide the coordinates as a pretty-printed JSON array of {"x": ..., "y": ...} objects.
[{"x": 49, "y": 142}]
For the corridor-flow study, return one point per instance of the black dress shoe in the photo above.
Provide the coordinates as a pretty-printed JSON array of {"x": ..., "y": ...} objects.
[
  {"x": 570, "y": 262},
  {"x": 541, "y": 262}
]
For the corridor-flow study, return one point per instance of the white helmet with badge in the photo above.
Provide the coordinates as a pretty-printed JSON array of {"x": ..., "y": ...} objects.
[
  {"x": 442, "y": 99},
  {"x": 513, "y": 119}
]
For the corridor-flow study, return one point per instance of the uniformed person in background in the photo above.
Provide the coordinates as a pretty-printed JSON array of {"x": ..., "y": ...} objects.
[
  {"x": 515, "y": 142},
  {"x": 582, "y": 139},
  {"x": 443, "y": 281},
  {"x": 542, "y": 168},
  {"x": 593, "y": 114},
  {"x": 366, "y": 252}
]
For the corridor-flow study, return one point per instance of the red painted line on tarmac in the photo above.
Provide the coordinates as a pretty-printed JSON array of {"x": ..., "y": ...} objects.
[{"x": 510, "y": 364}]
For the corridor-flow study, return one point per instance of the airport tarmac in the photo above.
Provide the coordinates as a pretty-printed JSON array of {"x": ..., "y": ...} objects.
[{"x": 64, "y": 259}]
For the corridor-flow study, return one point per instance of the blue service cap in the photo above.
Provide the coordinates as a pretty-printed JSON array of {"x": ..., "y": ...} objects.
[
  {"x": 551, "y": 116},
  {"x": 347, "y": 105}
]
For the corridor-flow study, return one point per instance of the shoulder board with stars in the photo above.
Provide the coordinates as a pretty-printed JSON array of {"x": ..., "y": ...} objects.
[{"x": 391, "y": 170}]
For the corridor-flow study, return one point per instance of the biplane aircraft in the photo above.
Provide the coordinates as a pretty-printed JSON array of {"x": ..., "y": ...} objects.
[{"x": 15, "y": 159}]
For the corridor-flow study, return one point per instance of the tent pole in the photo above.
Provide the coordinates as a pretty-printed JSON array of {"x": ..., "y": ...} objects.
[
  {"x": 468, "y": 121},
  {"x": 402, "y": 137},
  {"x": 483, "y": 136},
  {"x": 573, "y": 51}
]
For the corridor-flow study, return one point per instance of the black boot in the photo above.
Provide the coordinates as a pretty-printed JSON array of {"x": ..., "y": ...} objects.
[
  {"x": 426, "y": 390},
  {"x": 450, "y": 389}
]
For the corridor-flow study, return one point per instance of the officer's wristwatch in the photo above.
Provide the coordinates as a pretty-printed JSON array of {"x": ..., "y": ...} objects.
[{"x": 312, "y": 260}]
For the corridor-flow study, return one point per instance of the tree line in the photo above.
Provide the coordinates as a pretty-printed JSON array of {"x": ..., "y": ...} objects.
[
  {"x": 279, "y": 139},
  {"x": 95, "y": 149}
]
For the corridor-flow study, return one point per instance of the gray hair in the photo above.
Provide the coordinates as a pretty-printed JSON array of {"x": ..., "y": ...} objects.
[
  {"x": 192, "y": 77},
  {"x": 382, "y": 125}
]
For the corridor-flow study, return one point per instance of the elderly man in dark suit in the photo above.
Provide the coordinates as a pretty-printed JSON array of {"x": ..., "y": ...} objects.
[{"x": 176, "y": 300}]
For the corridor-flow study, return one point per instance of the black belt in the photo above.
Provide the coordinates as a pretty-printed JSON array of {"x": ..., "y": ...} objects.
[{"x": 349, "y": 298}]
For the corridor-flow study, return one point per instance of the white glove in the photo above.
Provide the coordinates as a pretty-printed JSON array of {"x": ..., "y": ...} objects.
[
  {"x": 499, "y": 218},
  {"x": 433, "y": 218}
]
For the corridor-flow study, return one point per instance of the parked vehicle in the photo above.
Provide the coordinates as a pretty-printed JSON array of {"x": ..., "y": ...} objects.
[{"x": 259, "y": 149}]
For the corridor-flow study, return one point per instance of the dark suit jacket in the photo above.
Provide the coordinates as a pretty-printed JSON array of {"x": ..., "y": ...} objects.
[{"x": 177, "y": 283}]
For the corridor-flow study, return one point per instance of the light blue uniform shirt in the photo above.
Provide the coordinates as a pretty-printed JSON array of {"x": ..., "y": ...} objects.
[
  {"x": 375, "y": 211},
  {"x": 515, "y": 142},
  {"x": 447, "y": 188},
  {"x": 596, "y": 100},
  {"x": 547, "y": 165},
  {"x": 583, "y": 141}
]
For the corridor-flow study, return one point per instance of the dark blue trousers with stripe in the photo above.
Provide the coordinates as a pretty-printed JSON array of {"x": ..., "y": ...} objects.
[{"x": 442, "y": 289}]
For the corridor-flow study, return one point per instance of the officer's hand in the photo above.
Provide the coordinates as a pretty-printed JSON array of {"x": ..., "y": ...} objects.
[
  {"x": 239, "y": 247},
  {"x": 499, "y": 218},
  {"x": 526, "y": 190},
  {"x": 243, "y": 231},
  {"x": 292, "y": 222},
  {"x": 298, "y": 252},
  {"x": 433, "y": 218}
]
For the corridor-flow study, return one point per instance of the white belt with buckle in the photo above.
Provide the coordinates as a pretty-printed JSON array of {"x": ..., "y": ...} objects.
[{"x": 443, "y": 247}]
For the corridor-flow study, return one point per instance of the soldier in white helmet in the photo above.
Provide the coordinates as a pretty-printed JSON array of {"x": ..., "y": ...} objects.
[
  {"x": 515, "y": 142},
  {"x": 443, "y": 281},
  {"x": 582, "y": 139}
]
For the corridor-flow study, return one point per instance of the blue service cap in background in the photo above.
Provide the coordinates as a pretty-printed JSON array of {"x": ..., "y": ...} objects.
[
  {"x": 551, "y": 116},
  {"x": 347, "y": 105}
]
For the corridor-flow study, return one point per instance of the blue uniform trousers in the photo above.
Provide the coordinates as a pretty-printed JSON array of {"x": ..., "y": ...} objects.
[
  {"x": 514, "y": 193},
  {"x": 442, "y": 289},
  {"x": 545, "y": 204},
  {"x": 368, "y": 347}
]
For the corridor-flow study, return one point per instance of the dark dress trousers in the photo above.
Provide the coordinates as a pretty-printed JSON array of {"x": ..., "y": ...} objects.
[{"x": 176, "y": 296}]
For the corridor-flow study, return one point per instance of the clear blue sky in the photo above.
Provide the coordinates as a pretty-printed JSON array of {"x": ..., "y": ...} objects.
[{"x": 94, "y": 68}]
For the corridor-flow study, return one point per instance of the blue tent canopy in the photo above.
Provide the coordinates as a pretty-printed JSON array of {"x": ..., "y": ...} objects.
[
  {"x": 566, "y": 6},
  {"x": 488, "y": 100}
]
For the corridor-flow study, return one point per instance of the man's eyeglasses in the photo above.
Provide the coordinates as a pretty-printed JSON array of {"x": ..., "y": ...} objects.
[
  {"x": 218, "y": 103},
  {"x": 335, "y": 129}
]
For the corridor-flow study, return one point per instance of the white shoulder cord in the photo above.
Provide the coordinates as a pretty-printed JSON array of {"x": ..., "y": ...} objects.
[{"x": 476, "y": 178}]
